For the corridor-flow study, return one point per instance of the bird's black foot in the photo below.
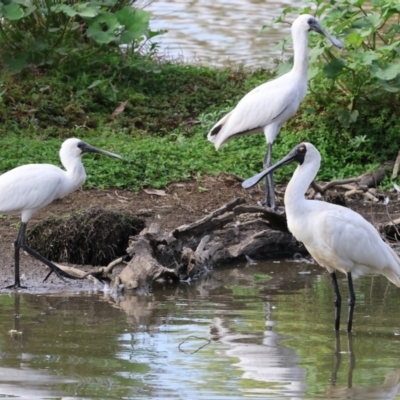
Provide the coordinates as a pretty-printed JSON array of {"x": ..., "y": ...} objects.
[
  {"x": 16, "y": 286},
  {"x": 60, "y": 273}
]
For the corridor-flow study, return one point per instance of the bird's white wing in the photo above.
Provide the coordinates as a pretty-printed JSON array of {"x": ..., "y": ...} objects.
[
  {"x": 350, "y": 243},
  {"x": 30, "y": 186},
  {"x": 257, "y": 109}
]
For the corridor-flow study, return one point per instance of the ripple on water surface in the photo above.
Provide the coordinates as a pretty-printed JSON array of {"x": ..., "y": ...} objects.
[{"x": 262, "y": 330}]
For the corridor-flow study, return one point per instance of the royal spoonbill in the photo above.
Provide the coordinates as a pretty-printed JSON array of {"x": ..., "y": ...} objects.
[
  {"x": 338, "y": 238},
  {"x": 26, "y": 189},
  {"x": 267, "y": 107}
]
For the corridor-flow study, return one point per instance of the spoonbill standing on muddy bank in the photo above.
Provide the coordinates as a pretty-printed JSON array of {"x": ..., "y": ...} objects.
[
  {"x": 268, "y": 106},
  {"x": 338, "y": 238},
  {"x": 26, "y": 189}
]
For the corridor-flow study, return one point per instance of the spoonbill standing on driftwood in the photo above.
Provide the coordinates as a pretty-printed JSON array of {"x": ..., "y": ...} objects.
[
  {"x": 338, "y": 238},
  {"x": 26, "y": 189},
  {"x": 268, "y": 106}
]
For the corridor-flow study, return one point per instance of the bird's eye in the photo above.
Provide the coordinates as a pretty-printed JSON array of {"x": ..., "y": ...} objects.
[
  {"x": 310, "y": 21},
  {"x": 302, "y": 149}
]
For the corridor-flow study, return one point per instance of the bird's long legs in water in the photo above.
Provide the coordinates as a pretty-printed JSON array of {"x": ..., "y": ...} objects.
[
  {"x": 352, "y": 302},
  {"x": 20, "y": 243},
  {"x": 269, "y": 180},
  {"x": 338, "y": 300}
]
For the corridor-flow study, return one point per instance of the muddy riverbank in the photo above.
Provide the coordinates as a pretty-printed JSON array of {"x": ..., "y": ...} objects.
[{"x": 180, "y": 203}]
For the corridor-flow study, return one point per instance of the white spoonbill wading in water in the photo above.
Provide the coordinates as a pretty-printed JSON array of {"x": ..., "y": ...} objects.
[
  {"x": 26, "y": 189},
  {"x": 267, "y": 107},
  {"x": 338, "y": 238}
]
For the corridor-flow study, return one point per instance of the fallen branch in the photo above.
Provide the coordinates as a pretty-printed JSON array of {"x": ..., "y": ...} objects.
[
  {"x": 209, "y": 221},
  {"x": 396, "y": 166}
]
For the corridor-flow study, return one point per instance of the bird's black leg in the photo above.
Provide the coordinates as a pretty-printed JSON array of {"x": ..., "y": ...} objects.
[
  {"x": 20, "y": 243},
  {"x": 59, "y": 272},
  {"x": 352, "y": 302},
  {"x": 338, "y": 300},
  {"x": 17, "y": 246},
  {"x": 269, "y": 180}
]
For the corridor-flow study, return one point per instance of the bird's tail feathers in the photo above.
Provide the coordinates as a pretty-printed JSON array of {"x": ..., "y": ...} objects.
[
  {"x": 392, "y": 277},
  {"x": 214, "y": 135},
  {"x": 393, "y": 272}
]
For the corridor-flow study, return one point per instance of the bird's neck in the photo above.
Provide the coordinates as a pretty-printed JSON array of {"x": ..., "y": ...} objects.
[
  {"x": 75, "y": 172},
  {"x": 298, "y": 186},
  {"x": 300, "y": 51}
]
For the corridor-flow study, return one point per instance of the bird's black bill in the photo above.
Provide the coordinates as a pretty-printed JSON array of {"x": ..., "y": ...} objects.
[
  {"x": 248, "y": 183},
  {"x": 296, "y": 154},
  {"x": 87, "y": 148},
  {"x": 318, "y": 28}
]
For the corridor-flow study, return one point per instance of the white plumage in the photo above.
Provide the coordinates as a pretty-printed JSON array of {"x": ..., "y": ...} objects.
[
  {"x": 338, "y": 238},
  {"x": 26, "y": 189},
  {"x": 267, "y": 107}
]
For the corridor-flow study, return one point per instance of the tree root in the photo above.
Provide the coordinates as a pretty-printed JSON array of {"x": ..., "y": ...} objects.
[{"x": 362, "y": 185}]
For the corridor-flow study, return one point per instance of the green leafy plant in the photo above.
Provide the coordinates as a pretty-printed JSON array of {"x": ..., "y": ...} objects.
[
  {"x": 368, "y": 66},
  {"x": 41, "y": 32}
]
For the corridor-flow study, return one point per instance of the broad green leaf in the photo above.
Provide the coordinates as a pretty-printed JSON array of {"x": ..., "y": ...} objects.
[
  {"x": 315, "y": 52},
  {"x": 312, "y": 71},
  {"x": 366, "y": 57},
  {"x": 103, "y": 28},
  {"x": 26, "y": 3},
  {"x": 375, "y": 20},
  {"x": 85, "y": 11},
  {"x": 284, "y": 67},
  {"x": 136, "y": 23},
  {"x": 15, "y": 63},
  {"x": 346, "y": 117},
  {"x": 29, "y": 10},
  {"x": 388, "y": 73},
  {"x": 387, "y": 87},
  {"x": 13, "y": 12},
  {"x": 67, "y": 10},
  {"x": 358, "y": 3},
  {"x": 354, "y": 39},
  {"x": 334, "y": 68}
]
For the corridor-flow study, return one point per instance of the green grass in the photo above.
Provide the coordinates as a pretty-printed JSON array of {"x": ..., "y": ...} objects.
[{"x": 162, "y": 132}]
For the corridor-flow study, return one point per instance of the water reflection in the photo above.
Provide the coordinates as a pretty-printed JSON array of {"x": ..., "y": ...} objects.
[
  {"x": 271, "y": 339},
  {"x": 390, "y": 388},
  {"x": 22, "y": 381},
  {"x": 220, "y": 32}
]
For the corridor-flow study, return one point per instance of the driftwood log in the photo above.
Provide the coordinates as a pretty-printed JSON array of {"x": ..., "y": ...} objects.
[
  {"x": 236, "y": 231},
  {"x": 233, "y": 232}
]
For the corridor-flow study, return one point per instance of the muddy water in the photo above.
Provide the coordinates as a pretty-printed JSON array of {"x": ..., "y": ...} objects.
[
  {"x": 220, "y": 32},
  {"x": 231, "y": 335}
]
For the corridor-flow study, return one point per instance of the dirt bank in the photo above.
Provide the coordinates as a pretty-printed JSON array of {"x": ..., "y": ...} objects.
[{"x": 182, "y": 203}]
